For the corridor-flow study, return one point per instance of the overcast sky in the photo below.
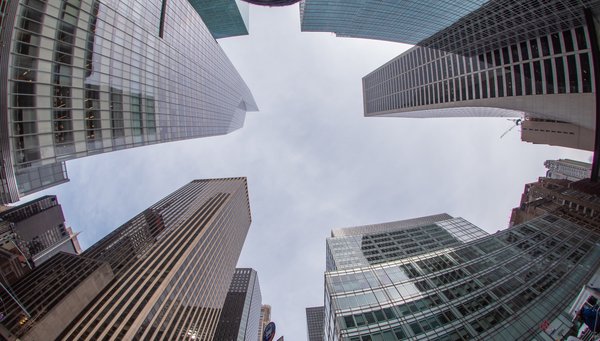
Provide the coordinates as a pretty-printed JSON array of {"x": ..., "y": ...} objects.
[{"x": 314, "y": 162}]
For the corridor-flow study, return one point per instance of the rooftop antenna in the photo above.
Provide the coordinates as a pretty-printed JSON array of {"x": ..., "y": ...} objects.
[{"x": 517, "y": 122}]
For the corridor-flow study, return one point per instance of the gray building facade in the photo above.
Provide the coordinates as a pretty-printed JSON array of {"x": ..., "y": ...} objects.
[
  {"x": 94, "y": 76},
  {"x": 240, "y": 317},
  {"x": 549, "y": 77},
  {"x": 496, "y": 287},
  {"x": 314, "y": 321}
]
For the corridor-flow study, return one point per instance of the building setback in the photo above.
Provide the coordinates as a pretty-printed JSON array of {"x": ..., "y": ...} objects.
[
  {"x": 163, "y": 275},
  {"x": 240, "y": 317},
  {"x": 314, "y": 322},
  {"x": 495, "y": 287},
  {"x": 94, "y": 76}
]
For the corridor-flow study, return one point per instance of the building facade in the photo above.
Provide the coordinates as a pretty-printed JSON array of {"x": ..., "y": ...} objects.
[
  {"x": 240, "y": 317},
  {"x": 172, "y": 265},
  {"x": 571, "y": 170},
  {"x": 379, "y": 243},
  {"x": 549, "y": 77},
  {"x": 265, "y": 318},
  {"x": 557, "y": 133},
  {"x": 224, "y": 18},
  {"x": 578, "y": 201},
  {"x": 32, "y": 233},
  {"x": 94, "y": 76},
  {"x": 404, "y": 22},
  {"x": 497, "y": 287},
  {"x": 314, "y": 322},
  {"x": 531, "y": 60}
]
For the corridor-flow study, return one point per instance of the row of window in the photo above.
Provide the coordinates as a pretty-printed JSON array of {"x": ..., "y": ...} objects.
[{"x": 547, "y": 76}]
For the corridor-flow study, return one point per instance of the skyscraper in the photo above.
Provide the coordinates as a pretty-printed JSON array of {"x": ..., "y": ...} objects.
[
  {"x": 88, "y": 77},
  {"x": 314, "y": 322},
  {"x": 163, "y": 275},
  {"x": 549, "y": 77},
  {"x": 405, "y": 22},
  {"x": 531, "y": 60},
  {"x": 240, "y": 317},
  {"x": 265, "y": 318},
  {"x": 224, "y": 18},
  {"x": 38, "y": 229},
  {"x": 568, "y": 169},
  {"x": 494, "y": 287}
]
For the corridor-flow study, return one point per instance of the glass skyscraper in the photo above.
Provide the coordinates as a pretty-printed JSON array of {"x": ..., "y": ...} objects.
[
  {"x": 82, "y": 77},
  {"x": 491, "y": 287},
  {"x": 400, "y": 21},
  {"x": 240, "y": 317},
  {"x": 224, "y": 18},
  {"x": 163, "y": 275}
]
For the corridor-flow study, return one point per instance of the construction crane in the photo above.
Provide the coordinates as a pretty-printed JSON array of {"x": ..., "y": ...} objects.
[{"x": 517, "y": 122}]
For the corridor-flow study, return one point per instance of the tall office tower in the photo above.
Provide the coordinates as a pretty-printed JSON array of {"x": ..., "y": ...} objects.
[
  {"x": 240, "y": 317},
  {"x": 568, "y": 169},
  {"x": 496, "y": 287},
  {"x": 33, "y": 232},
  {"x": 224, "y": 18},
  {"x": 94, "y": 76},
  {"x": 314, "y": 322},
  {"x": 549, "y": 77},
  {"x": 531, "y": 60},
  {"x": 577, "y": 201},
  {"x": 265, "y": 318},
  {"x": 443, "y": 24},
  {"x": 404, "y": 22},
  {"x": 163, "y": 275}
]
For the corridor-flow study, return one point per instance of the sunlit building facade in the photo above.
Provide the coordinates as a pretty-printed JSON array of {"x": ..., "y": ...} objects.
[
  {"x": 94, "y": 76},
  {"x": 496, "y": 287},
  {"x": 163, "y": 275},
  {"x": 240, "y": 317}
]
